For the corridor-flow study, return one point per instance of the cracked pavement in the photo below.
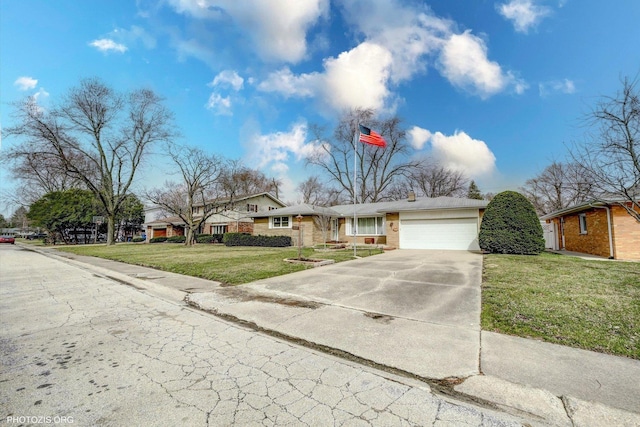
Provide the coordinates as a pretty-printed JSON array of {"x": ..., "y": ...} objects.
[{"x": 74, "y": 344}]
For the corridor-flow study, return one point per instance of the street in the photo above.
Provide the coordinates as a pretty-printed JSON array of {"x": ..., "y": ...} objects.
[{"x": 78, "y": 348}]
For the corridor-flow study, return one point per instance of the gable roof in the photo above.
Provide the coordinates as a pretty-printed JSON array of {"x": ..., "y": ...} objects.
[
  {"x": 245, "y": 197},
  {"x": 378, "y": 208}
]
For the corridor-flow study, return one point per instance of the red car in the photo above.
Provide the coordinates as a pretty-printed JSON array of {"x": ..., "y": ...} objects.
[{"x": 7, "y": 239}]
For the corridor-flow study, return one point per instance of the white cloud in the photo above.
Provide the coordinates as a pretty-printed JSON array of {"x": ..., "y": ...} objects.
[
  {"x": 463, "y": 61},
  {"x": 278, "y": 29},
  {"x": 358, "y": 78},
  {"x": 458, "y": 152},
  {"x": 276, "y": 149},
  {"x": 219, "y": 105},
  {"x": 418, "y": 137},
  {"x": 108, "y": 45},
  {"x": 228, "y": 78},
  {"x": 565, "y": 86},
  {"x": 41, "y": 95},
  {"x": 524, "y": 14},
  {"x": 410, "y": 34},
  {"x": 133, "y": 35},
  {"x": 463, "y": 153},
  {"x": 25, "y": 83},
  {"x": 399, "y": 43},
  {"x": 288, "y": 84}
]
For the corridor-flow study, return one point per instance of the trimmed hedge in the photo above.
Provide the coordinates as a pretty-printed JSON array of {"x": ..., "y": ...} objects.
[
  {"x": 245, "y": 239},
  {"x": 177, "y": 239},
  {"x": 158, "y": 239},
  {"x": 510, "y": 226},
  {"x": 209, "y": 238},
  {"x": 138, "y": 239}
]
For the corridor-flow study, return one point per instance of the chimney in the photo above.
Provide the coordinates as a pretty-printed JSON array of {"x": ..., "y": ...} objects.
[{"x": 412, "y": 197}]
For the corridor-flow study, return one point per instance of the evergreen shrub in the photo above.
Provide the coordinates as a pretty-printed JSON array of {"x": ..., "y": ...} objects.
[{"x": 510, "y": 226}]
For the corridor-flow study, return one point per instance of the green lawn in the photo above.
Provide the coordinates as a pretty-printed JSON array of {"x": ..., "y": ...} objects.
[
  {"x": 229, "y": 265},
  {"x": 594, "y": 305}
]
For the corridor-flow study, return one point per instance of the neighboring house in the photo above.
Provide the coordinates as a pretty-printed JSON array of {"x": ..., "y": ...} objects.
[
  {"x": 237, "y": 219},
  {"x": 602, "y": 228},
  {"x": 415, "y": 223}
]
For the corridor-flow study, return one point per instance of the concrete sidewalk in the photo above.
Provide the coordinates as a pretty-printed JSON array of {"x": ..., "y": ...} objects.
[{"x": 373, "y": 310}]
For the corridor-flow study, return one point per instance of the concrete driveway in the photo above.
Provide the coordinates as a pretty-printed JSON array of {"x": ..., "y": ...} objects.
[{"x": 415, "y": 310}]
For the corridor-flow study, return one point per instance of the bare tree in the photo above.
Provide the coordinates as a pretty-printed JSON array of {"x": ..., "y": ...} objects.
[
  {"x": 97, "y": 136},
  {"x": 239, "y": 180},
  {"x": 611, "y": 154},
  {"x": 315, "y": 192},
  {"x": 558, "y": 186},
  {"x": 431, "y": 179},
  {"x": 196, "y": 198},
  {"x": 377, "y": 168}
]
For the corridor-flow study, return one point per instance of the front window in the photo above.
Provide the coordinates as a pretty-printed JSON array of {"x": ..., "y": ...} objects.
[
  {"x": 280, "y": 222},
  {"x": 252, "y": 208},
  {"x": 219, "y": 229},
  {"x": 367, "y": 226}
]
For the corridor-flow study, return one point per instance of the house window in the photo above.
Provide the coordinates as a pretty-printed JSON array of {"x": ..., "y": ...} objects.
[
  {"x": 219, "y": 229},
  {"x": 583, "y": 223},
  {"x": 280, "y": 221},
  {"x": 367, "y": 226},
  {"x": 252, "y": 208}
]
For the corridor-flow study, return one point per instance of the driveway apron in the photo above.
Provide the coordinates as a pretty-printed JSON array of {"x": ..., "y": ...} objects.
[{"x": 414, "y": 310}]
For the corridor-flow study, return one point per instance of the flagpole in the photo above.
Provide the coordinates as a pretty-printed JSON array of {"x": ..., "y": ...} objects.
[{"x": 356, "y": 137}]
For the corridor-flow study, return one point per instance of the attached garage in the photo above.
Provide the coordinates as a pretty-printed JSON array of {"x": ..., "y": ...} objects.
[{"x": 455, "y": 229}]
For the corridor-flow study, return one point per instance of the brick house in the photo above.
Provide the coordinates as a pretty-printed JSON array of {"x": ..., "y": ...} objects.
[
  {"x": 602, "y": 228},
  {"x": 237, "y": 219},
  {"x": 414, "y": 223}
]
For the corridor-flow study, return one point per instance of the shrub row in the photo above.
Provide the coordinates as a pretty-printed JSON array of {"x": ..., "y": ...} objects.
[
  {"x": 209, "y": 238},
  {"x": 158, "y": 240},
  {"x": 137, "y": 239},
  {"x": 176, "y": 239},
  {"x": 245, "y": 239}
]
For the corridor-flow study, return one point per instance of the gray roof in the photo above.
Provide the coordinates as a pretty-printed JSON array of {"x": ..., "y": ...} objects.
[
  {"x": 295, "y": 210},
  {"x": 372, "y": 209},
  {"x": 582, "y": 207}
]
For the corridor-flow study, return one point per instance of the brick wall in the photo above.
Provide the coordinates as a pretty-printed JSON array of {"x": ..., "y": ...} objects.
[
  {"x": 240, "y": 227},
  {"x": 261, "y": 228},
  {"x": 595, "y": 241},
  {"x": 626, "y": 234},
  {"x": 393, "y": 227}
]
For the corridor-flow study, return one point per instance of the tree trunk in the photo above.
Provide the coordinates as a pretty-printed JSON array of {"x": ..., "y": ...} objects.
[
  {"x": 111, "y": 229},
  {"x": 189, "y": 237}
]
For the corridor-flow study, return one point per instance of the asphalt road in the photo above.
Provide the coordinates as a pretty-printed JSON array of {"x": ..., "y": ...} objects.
[{"x": 79, "y": 349}]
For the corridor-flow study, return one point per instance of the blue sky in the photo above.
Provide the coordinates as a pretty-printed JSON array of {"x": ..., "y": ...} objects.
[{"x": 494, "y": 88}]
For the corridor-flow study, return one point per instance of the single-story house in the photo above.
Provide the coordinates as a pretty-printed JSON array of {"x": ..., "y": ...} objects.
[
  {"x": 602, "y": 228},
  {"x": 238, "y": 218},
  {"x": 414, "y": 223}
]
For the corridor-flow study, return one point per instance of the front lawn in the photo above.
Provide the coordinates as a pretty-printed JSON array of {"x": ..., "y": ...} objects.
[
  {"x": 229, "y": 265},
  {"x": 594, "y": 305}
]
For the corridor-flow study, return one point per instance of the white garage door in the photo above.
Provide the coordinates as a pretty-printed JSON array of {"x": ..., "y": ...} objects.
[{"x": 450, "y": 233}]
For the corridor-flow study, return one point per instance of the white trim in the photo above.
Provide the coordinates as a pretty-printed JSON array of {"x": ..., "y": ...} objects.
[
  {"x": 379, "y": 227},
  {"x": 582, "y": 221},
  {"x": 272, "y": 225}
]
